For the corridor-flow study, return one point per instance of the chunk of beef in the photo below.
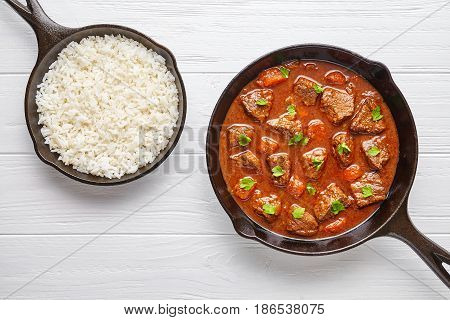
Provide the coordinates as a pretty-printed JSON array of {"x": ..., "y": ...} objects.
[
  {"x": 353, "y": 172},
  {"x": 304, "y": 88},
  {"x": 295, "y": 187},
  {"x": 323, "y": 205},
  {"x": 368, "y": 189},
  {"x": 306, "y": 225},
  {"x": 314, "y": 162},
  {"x": 342, "y": 143},
  {"x": 247, "y": 159},
  {"x": 374, "y": 95},
  {"x": 234, "y": 133},
  {"x": 310, "y": 66},
  {"x": 363, "y": 122},
  {"x": 277, "y": 161},
  {"x": 316, "y": 129},
  {"x": 243, "y": 193},
  {"x": 376, "y": 151},
  {"x": 270, "y": 77},
  {"x": 267, "y": 145},
  {"x": 257, "y": 103},
  {"x": 268, "y": 207},
  {"x": 338, "y": 105},
  {"x": 335, "y": 77},
  {"x": 336, "y": 226},
  {"x": 286, "y": 124}
]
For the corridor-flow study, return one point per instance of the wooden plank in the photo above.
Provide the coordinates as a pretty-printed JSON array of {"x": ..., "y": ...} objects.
[
  {"x": 429, "y": 106},
  {"x": 204, "y": 35},
  {"x": 182, "y": 245},
  {"x": 36, "y": 199},
  {"x": 209, "y": 267}
]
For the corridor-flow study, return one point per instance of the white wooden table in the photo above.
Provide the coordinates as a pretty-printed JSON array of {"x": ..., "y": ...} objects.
[{"x": 182, "y": 244}]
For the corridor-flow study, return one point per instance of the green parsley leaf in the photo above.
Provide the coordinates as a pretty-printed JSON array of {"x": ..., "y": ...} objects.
[
  {"x": 343, "y": 148},
  {"x": 317, "y": 88},
  {"x": 367, "y": 191},
  {"x": 243, "y": 139},
  {"x": 246, "y": 183},
  {"x": 261, "y": 102},
  {"x": 373, "y": 151},
  {"x": 376, "y": 114},
  {"x": 305, "y": 141},
  {"x": 298, "y": 212},
  {"x": 291, "y": 110},
  {"x": 336, "y": 207},
  {"x": 277, "y": 171},
  {"x": 269, "y": 208},
  {"x": 295, "y": 139},
  {"x": 284, "y": 71},
  {"x": 310, "y": 188},
  {"x": 298, "y": 138},
  {"x": 317, "y": 163}
]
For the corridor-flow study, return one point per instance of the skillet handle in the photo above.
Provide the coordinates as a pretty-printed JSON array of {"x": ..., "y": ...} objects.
[
  {"x": 401, "y": 227},
  {"x": 48, "y": 32}
]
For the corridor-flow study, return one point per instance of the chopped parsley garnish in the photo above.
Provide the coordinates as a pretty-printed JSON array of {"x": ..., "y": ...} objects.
[
  {"x": 310, "y": 188},
  {"x": 277, "y": 171},
  {"x": 291, "y": 110},
  {"x": 367, "y": 191},
  {"x": 298, "y": 138},
  {"x": 284, "y": 71},
  {"x": 298, "y": 212},
  {"x": 376, "y": 114},
  {"x": 261, "y": 102},
  {"x": 336, "y": 207},
  {"x": 246, "y": 183},
  {"x": 269, "y": 208},
  {"x": 305, "y": 141},
  {"x": 343, "y": 148},
  {"x": 373, "y": 151},
  {"x": 317, "y": 88},
  {"x": 243, "y": 139},
  {"x": 295, "y": 139},
  {"x": 317, "y": 163}
]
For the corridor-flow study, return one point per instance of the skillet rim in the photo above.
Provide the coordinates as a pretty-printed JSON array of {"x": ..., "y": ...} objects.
[{"x": 275, "y": 240}]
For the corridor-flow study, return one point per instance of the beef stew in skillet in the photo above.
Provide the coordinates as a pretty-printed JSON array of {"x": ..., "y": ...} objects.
[{"x": 309, "y": 149}]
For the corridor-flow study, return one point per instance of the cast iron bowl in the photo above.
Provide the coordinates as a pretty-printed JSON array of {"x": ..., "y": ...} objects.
[
  {"x": 391, "y": 219},
  {"x": 52, "y": 38}
]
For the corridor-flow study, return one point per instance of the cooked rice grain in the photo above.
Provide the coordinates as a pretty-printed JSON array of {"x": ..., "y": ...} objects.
[{"x": 108, "y": 105}]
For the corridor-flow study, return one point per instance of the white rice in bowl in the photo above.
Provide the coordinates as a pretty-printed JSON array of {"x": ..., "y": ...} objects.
[{"x": 107, "y": 106}]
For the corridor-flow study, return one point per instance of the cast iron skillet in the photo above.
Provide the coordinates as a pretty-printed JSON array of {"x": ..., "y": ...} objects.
[
  {"x": 52, "y": 38},
  {"x": 390, "y": 220}
]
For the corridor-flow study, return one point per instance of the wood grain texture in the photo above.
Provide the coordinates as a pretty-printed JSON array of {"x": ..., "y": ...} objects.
[
  {"x": 207, "y": 267},
  {"x": 181, "y": 244},
  {"x": 224, "y": 36}
]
